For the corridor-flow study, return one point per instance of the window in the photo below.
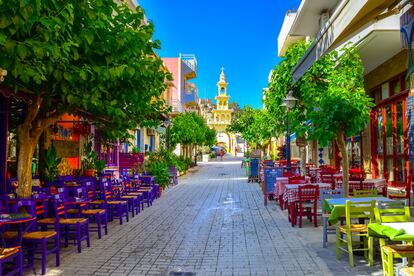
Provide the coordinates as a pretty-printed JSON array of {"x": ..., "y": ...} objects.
[{"x": 385, "y": 91}]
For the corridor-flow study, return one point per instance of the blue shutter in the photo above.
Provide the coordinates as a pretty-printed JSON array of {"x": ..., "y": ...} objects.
[
  {"x": 139, "y": 139},
  {"x": 152, "y": 138}
]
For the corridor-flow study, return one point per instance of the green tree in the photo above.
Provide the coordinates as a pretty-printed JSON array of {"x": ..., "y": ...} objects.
[
  {"x": 332, "y": 103},
  {"x": 343, "y": 109},
  {"x": 189, "y": 130},
  {"x": 255, "y": 125},
  {"x": 93, "y": 57}
]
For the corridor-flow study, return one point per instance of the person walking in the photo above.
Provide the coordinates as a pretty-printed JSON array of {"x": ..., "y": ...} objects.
[{"x": 221, "y": 154}]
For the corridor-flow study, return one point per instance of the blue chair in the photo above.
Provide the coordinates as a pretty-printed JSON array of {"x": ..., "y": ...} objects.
[{"x": 325, "y": 194}]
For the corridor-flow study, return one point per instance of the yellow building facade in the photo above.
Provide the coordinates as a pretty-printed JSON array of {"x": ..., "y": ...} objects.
[{"x": 221, "y": 115}]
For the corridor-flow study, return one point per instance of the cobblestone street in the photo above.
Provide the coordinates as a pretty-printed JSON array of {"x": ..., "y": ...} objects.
[{"x": 212, "y": 223}]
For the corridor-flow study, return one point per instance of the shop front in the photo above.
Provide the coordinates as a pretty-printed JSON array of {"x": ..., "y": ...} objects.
[{"x": 389, "y": 143}]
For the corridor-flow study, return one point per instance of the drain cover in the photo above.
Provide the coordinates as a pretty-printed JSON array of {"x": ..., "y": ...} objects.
[
  {"x": 222, "y": 174},
  {"x": 173, "y": 273}
]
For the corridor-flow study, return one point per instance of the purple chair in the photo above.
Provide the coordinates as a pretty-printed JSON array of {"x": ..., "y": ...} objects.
[
  {"x": 95, "y": 215},
  {"x": 134, "y": 199},
  {"x": 116, "y": 208},
  {"x": 12, "y": 254},
  {"x": 76, "y": 229},
  {"x": 4, "y": 200},
  {"x": 36, "y": 241}
]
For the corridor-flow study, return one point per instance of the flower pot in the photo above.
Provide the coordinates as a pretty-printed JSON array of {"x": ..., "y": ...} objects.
[{"x": 89, "y": 172}]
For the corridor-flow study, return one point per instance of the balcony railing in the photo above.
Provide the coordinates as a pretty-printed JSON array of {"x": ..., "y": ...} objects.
[
  {"x": 177, "y": 106},
  {"x": 190, "y": 61}
]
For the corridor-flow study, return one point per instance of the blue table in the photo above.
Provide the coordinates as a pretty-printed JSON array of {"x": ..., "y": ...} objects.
[{"x": 336, "y": 206}]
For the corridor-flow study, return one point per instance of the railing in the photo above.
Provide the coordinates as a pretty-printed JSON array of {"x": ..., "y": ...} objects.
[
  {"x": 177, "y": 106},
  {"x": 190, "y": 61}
]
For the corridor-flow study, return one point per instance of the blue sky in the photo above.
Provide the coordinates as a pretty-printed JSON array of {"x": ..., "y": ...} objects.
[{"x": 239, "y": 35}]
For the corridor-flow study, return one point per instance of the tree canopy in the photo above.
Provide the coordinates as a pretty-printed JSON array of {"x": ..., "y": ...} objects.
[
  {"x": 191, "y": 129},
  {"x": 332, "y": 103},
  {"x": 255, "y": 125},
  {"x": 93, "y": 57}
]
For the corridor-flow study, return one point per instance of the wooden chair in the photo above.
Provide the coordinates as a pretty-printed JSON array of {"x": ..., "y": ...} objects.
[
  {"x": 325, "y": 194},
  {"x": 389, "y": 252},
  {"x": 365, "y": 193},
  {"x": 12, "y": 254},
  {"x": 393, "y": 211},
  {"x": 360, "y": 211},
  {"x": 406, "y": 193},
  {"x": 307, "y": 204},
  {"x": 70, "y": 228}
]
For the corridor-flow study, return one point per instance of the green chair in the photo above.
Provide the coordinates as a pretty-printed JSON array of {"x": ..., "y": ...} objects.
[
  {"x": 365, "y": 193},
  {"x": 393, "y": 211},
  {"x": 360, "y": 211}
]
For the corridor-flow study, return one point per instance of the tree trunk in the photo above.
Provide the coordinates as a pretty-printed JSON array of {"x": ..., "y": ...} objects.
[
  {"x": 345, "y": 164},
  {"x": 28, "y": 135},
  {"x": 24, "y": 167},
  {"x": 303, "y": 161}
]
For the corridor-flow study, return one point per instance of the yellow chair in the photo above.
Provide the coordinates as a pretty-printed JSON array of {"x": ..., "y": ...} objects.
[
  {"x": 365, "y": 193},
  {"x": 393, "y": 211},
  {"x": 389, "y": 252},
  {"x": 359, "y": 211},
  {"x": 407, "y": 271}
]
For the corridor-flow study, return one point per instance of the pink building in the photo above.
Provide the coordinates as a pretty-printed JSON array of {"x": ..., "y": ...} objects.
[{"x": 183, "y": 69}]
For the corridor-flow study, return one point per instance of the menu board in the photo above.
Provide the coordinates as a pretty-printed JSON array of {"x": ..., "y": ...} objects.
[
  {"x": 270, "y": 178},
  {"x": 410, "y": 122}
]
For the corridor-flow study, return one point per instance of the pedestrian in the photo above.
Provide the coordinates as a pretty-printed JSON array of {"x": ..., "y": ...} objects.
[
  {"x": 221, "y": 154},
  {"x": 235, "y": 151}
]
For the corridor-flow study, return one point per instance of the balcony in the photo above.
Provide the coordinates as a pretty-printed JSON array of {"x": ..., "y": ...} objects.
[
  {"x": 177, "y": 106},
  {"x": 190, "y": 66}
]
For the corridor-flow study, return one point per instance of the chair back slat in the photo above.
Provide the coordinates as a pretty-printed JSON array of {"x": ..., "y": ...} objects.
[
  {"x": 359, "y": 210},
  {"x": 365, "y": 193},
  {"x": 308, "y": 192},
  {"x": 326, "y": 194},
  {"x": 392, "y": 211}
]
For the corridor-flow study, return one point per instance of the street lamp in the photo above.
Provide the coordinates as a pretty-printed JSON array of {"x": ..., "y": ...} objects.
[
  {"x": 167, "y": 124},
  {"x": 288, "y": 103}
]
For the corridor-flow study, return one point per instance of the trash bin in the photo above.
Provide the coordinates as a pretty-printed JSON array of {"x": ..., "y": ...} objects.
[{"x": 247, "y": 162}]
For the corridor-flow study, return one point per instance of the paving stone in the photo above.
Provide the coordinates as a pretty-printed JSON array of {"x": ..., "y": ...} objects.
[{"x": 212, "y": 223}]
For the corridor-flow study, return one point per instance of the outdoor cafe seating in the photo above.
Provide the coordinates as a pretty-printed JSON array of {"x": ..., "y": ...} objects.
[
  {"x": 65, "y": 210},
  {"x": 370, "y": 212}
]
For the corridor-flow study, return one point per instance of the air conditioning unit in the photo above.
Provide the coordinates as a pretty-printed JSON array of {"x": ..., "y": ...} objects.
[{"x": 150, "y": 132}]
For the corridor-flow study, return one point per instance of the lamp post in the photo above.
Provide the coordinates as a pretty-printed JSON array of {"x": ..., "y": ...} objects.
[
  {"x": 167, "y": 124},
  {"x": 288, "y": 103}
]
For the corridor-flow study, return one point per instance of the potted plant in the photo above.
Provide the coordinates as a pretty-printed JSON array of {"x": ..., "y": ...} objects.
[
  {"x": 90, "y": 162},
  {"x": 50, "y": 168}
]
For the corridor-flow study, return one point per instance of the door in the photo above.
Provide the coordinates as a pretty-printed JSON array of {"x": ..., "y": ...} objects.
[{"x": 389, "y": 146}]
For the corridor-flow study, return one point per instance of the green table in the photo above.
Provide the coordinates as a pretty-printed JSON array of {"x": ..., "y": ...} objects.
[
  {"x": 395, "y": 231},
  {"x": 336, "y": 206}
]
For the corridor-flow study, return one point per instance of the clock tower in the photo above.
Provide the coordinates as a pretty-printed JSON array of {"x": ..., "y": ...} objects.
[{"x": 222, "y": 114}]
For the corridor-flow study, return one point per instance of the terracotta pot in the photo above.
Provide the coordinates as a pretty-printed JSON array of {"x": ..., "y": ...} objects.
[{"x": 89, "y": 172}]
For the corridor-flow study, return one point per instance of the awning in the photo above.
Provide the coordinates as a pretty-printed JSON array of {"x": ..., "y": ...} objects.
[{"x": 348, "y": 17}]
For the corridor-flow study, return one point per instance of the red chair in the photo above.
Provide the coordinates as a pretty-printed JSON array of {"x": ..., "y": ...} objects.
[
  {"x": 406, "y": 193},
  {"x": 297, "y": 179},
  {"x": 357, "y": 173},
  {"x": 327, "y": 177},
  {"x": 307, "y": 204},
  {"x": 355, "y": 183}
]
